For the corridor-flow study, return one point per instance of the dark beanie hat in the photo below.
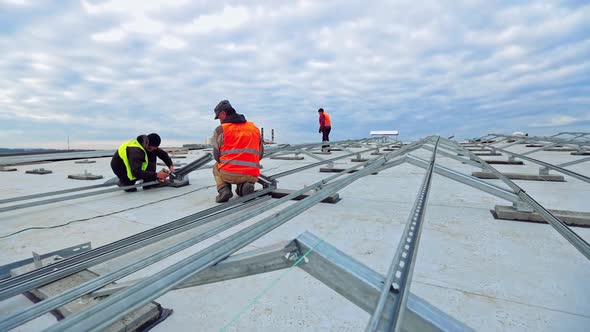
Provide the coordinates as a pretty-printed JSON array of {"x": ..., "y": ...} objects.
[
  {"x": 154, "y": 139},
  {"x": 321, "y": 110},
  {"x": 223, "y": 106}
]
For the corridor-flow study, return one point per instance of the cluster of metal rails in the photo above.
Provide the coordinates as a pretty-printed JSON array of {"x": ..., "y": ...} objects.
[{"x": 385, "y": 297}]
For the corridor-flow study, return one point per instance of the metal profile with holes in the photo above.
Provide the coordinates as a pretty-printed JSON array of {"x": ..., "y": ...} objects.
[{"x": 399, "y": 276}]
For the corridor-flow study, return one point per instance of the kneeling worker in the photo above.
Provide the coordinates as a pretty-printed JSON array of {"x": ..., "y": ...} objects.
[
  {"x": 136, "y": 160},
  {"x": 237, "y": 148}
]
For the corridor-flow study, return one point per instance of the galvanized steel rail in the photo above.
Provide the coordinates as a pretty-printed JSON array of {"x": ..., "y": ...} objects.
[
  {"x": 11, "y": 160},
  {"x": 466, "y": 179},
  {"x": 577, "y": 241},
  {"x": 76, "y": 196},
  {"x": 399, "y": 276},
  {"x": 316, "y": 164},
  {"x": 183, "y": 172},
  {"x": 552, "y": 139},
  {"x": 36, "y": 278},
  {"x": 53, "y": 193},
  {"x": 547, "y": 165}
]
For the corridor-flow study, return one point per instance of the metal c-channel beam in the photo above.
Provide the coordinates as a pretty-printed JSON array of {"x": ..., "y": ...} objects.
[{"x": 399, "y": 276}]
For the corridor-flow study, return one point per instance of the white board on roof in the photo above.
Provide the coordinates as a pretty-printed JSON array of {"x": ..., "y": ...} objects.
[{"x": 384, "y": 132}]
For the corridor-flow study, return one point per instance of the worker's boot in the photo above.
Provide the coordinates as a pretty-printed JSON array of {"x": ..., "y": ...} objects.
[
  {"x": 245, "y": 188},
  {"x": 224, "y": 194}
]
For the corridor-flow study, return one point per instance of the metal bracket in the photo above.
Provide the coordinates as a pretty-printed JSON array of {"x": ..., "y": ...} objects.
[
  {"x": 295, "y": 255},
  {"x": 266, "y": 182},
  {"x": 37, "y": 260}
]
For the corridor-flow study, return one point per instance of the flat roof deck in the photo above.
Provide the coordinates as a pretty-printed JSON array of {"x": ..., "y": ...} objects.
[{"x": 489, "y": 274}]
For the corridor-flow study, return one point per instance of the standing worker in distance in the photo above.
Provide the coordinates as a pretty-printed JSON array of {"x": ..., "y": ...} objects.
[
  {"x": 136, "y": 160},
  {"x": 325, "y": 128},
  {"x": 237, "y": 148}
]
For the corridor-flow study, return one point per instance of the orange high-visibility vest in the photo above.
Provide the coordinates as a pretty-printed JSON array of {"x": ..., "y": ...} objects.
[
  {"x": 327, "y": 121},
  {"x": 240, "y": 152}
]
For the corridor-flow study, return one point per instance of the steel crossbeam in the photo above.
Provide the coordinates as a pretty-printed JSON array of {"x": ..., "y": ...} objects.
[
  {"x": 192, "y": 166},
  {"x": 257, "y": 261},
  {"x": 319, "y": 163},
  {"x": 63, "y": 253},
  {"x": 103, "y": 280},
  {"x": 362, "y": 286},
  {"x": 574, "y": 162},
  {"x": 35, "y": 278},
  {"x": 452, "y": 156},
  {"x": 181, "y": 173},
  {"x": 577, "y": 241},
  {"x": 574, "y": 141},
  {"x": 76, "y": 196},
  {"x": 340, "y": 272},
  {"x": 548, "y": 165},
  {"x": 53, "y": 193},
  {"x": 304, "y": 149},
  {"x": 465, "y": 179},
  {"x": 10, "y": 160},
  {"x": 268, "y": 151}
]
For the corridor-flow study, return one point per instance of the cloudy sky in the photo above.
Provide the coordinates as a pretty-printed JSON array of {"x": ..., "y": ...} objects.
[{"x": 102, "y": 72}]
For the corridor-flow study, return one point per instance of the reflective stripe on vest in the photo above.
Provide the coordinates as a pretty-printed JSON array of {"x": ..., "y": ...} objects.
[
  {"x": 240, "y": 152},
  {"x": 243, "y": 163},
  {"x": 123, "y": 154},
  {"x": 327, "y": 121},
  {"x": 256, "y": 152}
]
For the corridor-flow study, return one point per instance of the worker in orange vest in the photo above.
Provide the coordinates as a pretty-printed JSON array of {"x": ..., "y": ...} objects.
[
  {"x": 237, "y": 148},
  {"x": 325, "y": 128}
]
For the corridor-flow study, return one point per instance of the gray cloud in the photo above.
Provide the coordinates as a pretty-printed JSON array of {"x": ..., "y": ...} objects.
[{"x": 104, "y": 71}]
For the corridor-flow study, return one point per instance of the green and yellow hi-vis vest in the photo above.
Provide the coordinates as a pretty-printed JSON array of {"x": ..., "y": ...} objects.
[{"x": 123, "y": 154}]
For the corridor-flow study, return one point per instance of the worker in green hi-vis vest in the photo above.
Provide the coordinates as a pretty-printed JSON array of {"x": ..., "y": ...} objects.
[{"x": 136, "y": 160}]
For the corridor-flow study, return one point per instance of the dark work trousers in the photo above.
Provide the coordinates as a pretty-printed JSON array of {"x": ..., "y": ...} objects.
[{"x": 326, "y": 137}]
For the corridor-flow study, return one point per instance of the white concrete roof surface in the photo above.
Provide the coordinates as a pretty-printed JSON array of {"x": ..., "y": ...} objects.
[{"x": 493, "y": 275}]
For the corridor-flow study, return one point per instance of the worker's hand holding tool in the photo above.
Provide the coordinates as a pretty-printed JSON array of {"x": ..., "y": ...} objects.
[
  {"x": 162, "y": 175},
  {"x": 172, "y": 170}
]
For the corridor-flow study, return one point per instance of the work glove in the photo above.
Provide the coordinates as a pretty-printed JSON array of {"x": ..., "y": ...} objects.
[
  {"x": 172, "y": 170},
  {"x": 320, "y": 130}
]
